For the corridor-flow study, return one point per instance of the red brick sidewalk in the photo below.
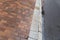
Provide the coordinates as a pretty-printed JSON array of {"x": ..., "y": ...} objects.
[{"x": 15, "y": 19}]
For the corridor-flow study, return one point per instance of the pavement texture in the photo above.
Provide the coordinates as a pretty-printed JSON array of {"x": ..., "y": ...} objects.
[
  {"x": 36, "y": 26},
  {"x": 15, "y": 19}
]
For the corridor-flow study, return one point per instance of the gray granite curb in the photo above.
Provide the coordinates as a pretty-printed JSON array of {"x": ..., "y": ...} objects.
[{"x": 36, "y": 31}]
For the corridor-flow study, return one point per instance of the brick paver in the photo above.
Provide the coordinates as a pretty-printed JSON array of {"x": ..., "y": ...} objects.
[{"x": 15, "y": 19}]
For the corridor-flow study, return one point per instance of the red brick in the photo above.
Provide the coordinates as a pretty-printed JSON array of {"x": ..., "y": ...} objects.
[{"x": 15, "y": 19}]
